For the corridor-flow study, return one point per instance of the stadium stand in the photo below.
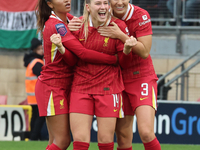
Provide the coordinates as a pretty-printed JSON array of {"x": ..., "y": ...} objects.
[
  {"x": 190, "y": 12},
  {"x": 162, "y": 12}
]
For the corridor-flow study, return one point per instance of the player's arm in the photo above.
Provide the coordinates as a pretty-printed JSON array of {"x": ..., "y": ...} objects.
[
  {"x": 77, "y": 48},
  {"x": 75, "y": 24},
  {"x": 68, "y": 56},
  {"x": 113, "y": 31},
  {"x": 142, "y": 44},
  {"x": 125, "y": 56},
  {"x": 124, "y": 60}
]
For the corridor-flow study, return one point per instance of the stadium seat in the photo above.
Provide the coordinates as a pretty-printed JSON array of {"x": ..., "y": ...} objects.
[{"x": 3, "y": 99}]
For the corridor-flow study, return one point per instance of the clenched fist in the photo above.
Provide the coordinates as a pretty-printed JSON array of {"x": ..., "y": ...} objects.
[
  {"x": 56, "y": 39},
  {"x": 129, "y": 44}
]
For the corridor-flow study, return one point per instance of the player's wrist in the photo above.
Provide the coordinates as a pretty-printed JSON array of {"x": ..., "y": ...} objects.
[
  {"x": 126, "y": 51},
  {"x": 61, "y": 49}
]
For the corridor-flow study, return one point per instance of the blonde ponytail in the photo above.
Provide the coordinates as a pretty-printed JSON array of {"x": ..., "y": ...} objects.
[{"x": 86, "y": 18}]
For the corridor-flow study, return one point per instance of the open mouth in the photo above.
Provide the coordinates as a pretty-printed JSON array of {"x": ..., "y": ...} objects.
[
  {"x": 68, "y": 5},
  {"x": 102, "y": 14}
]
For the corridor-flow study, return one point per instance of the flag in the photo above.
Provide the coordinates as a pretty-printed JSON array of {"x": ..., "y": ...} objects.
[{"x": 17, "y": 23}]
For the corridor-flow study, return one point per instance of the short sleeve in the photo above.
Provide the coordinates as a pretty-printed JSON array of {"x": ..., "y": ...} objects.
[{"x": 143, "y": 23}]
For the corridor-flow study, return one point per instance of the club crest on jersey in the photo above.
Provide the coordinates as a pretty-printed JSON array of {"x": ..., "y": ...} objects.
[
  {"x": 61, "y": 29},
  {"x": 106, "y": 41}
]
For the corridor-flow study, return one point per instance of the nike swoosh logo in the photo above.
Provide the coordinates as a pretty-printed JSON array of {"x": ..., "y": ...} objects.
[
  {"x": 143, "y": 98},
  {"x": 81, "y": 39},
  {"x": 115, "y": 110}
]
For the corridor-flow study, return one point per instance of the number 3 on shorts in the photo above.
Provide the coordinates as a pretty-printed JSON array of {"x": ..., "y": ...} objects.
[{"x": 144, "y": 89}]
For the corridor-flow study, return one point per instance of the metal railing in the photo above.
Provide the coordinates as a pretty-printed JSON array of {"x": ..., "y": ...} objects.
[
  {"x": 158, "y": 9},
  {"x": 178, "y": 31},
  {"x": 161, "y": 11},
  {"x": 184, "y": 78},
  {"x": 191, "y": 11}
]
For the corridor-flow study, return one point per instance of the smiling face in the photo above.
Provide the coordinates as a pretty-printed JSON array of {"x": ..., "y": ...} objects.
[
  {"x": 119, "y": 7},
  {"x": 98, "y": 10}
]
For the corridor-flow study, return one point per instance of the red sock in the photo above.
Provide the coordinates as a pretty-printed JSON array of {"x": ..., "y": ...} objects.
[
  {"x": 153, "y": 145},
  {"x": 130, "y": 148},
  {"x": 106, "y": 146},
  {"x": 53, "y": 147},
  {"x": 47, "y": 147},
  {"x": 80, "y": 145}
]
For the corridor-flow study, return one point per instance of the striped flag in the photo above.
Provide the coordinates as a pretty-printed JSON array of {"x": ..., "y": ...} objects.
[{"x": 17, "y": 23}]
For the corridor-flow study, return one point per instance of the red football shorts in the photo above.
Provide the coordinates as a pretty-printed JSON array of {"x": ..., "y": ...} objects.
[
  {"x": 99, "y": 105},
  {"x": 51, "y": 100},
  {"x": 138, "y": 92}
]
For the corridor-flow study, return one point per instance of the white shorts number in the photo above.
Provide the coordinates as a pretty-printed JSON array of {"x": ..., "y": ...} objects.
[
  {"x": 145, "y": 89},
  {"x": 115, "y": 100}
]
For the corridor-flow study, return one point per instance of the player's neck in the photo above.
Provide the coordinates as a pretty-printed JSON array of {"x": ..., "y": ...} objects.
[
  {"x": 62, "y": 16},
  {"x": 119, "y": 16}
]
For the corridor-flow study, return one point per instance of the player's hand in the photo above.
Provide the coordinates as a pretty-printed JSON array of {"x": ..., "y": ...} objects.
[
  {"x": 129, "y": 44},
  {"x": 56, "y": 39},
  {"x": 75, "y": 24},
  {"x": 110, "y": 31}
]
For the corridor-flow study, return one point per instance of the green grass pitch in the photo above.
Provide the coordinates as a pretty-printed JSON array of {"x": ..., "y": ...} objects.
[{"x": 41, "y": 145}]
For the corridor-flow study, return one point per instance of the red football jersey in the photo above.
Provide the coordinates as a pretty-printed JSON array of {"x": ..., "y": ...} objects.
[
  {"x": 69, "y": 16},
  {"x": 138, "y": 22},
  {"x": 56, "y": 72},
  {"x": 99, "y": 78}
]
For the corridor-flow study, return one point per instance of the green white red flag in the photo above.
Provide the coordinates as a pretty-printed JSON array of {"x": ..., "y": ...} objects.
[{"x": 17, "y": 23}]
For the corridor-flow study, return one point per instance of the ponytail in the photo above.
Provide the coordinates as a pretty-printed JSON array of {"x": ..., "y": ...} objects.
[
  {"x": 86, "y": 19},
  {"x": 43, "y": 11}
]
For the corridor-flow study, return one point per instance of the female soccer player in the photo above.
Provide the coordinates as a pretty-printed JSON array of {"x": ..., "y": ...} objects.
[
  {"x": 97, "y": 88},
  {"x": 139, "y": 78},
  {"x": 54, "y": 83}
]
